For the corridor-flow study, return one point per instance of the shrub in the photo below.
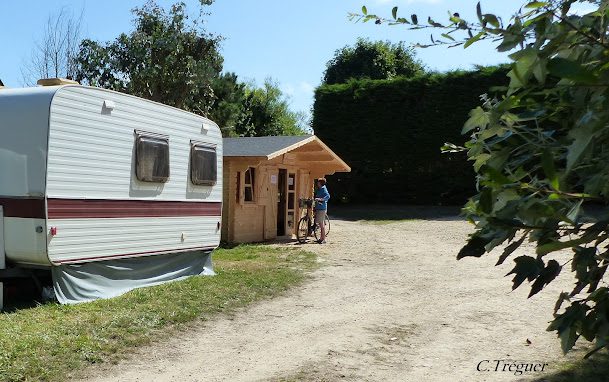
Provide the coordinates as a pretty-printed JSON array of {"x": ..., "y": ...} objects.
[{"x": 390, "y": 133}]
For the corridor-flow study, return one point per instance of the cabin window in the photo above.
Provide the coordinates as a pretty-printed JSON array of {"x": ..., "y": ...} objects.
[
  {"x": 203, "y": 165},
  {"x": 248, "y": 184},
  {"x": 152, "y": 158}
]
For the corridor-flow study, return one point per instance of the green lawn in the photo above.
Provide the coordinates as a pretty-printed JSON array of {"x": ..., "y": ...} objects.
[{"x": 47, "y": 342}]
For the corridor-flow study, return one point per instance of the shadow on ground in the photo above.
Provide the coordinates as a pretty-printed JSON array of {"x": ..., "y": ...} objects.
[
  {"x": 20, "y": 294},
  {"x": 594, "y": 369},
  {"x": 394, "y": 213}
]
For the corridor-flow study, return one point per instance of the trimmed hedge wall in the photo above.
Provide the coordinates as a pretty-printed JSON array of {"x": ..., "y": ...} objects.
[{"x": 390, "y": 133}]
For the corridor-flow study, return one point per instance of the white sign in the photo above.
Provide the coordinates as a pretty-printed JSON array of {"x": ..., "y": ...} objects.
[
  {"x": 290, "y": 181},
  {"x": 273, "y": 179}
]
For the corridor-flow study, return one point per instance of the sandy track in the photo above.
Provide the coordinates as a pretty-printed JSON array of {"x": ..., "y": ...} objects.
[{"x": 391, "y": 303}]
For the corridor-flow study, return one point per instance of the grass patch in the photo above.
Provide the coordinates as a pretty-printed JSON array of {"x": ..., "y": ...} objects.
[{"x": 48, "y": 342}]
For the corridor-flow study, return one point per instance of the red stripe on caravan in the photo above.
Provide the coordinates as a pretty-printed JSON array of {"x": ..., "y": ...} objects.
[
  {"x": 103, "y": 208},
  {"x": 131, "y": 255},
  {"x": 29, "y": 208}
]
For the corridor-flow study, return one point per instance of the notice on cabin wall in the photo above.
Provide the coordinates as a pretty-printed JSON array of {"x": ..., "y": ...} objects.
[
  {"x": 290, "y": 181},
  {"x": 273, "y": 179}
]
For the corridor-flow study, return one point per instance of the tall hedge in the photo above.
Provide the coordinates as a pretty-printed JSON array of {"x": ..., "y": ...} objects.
[{"x": 390, "y": 133}]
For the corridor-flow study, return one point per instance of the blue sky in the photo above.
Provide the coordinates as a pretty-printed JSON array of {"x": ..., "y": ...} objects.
[{"x": 288, "y": 40}]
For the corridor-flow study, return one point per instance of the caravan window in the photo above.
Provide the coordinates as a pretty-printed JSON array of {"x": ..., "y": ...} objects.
[
  {"x": 203, "y": 165},
  {"x": 152, "y": 158}
]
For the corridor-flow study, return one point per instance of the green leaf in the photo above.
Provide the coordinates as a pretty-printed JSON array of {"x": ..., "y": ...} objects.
[
  {"x": 433, "y": 23},
  {"x": 486, "y": 200},
  {"x": 540, "y": 71},
  {"x": 510, "y": 41},
  {"x": 478, "y": 118},
  {"x": 415, "y": 19},
  {"x": 496, "y": 176},
  {"x": 598, "y": 294},
  {"x": 451, "y": 148},
  {"x": 582, "y": 138},
  {"x": 574, "y": 211},
  {"x": 491, "y": 19},
  {"x": 547, "y": 162},
  {"x": 394, "y": 12},
  {"x": 473, "y": 39},
  {"x": 479, "y": 11},
  {"x": 504, "y": 197},
  {"x": 566, "y": 325},
  {"x": 563, "y": 68},
  {"x": 364, "y": 10},
  {"x": 447, "y": 36},
  {"x": 554, "y": 246},
  {"x": 522, "y": 68},
  {"x": 536, "y": 4},
  {"x": 568, "y": 338}
]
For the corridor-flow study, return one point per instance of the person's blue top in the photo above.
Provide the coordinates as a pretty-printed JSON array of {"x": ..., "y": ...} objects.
[{"x": 325, "y": 195}]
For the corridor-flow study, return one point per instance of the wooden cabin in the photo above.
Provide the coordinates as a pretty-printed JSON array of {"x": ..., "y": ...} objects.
[{"x": 264, "y": 178}]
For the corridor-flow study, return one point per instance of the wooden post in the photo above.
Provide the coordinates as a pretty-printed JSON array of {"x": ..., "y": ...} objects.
[{"x": 2, "y": 256}]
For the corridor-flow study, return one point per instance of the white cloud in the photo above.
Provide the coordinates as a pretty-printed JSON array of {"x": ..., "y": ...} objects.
[
  {"x": 306, "y": 87},
  {"x": 303, "y": 88},
  {"x": 288, "y": 90}
]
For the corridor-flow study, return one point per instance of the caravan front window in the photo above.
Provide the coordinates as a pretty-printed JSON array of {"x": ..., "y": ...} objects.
[
  {"x": 203, "y": 165},
  {"x": 152, "y": 158}
]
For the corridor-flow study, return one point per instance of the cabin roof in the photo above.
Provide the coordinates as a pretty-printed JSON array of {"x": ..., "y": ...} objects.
[
  {"x": 262, "y": 146},
  {"x": 304, "y": 147}
]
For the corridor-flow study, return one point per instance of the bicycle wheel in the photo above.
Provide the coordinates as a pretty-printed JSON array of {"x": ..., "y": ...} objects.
[{"x": 303, "y": 230}]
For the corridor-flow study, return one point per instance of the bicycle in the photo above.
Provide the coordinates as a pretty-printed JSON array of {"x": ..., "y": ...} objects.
[{"x": 307, "y": 226}]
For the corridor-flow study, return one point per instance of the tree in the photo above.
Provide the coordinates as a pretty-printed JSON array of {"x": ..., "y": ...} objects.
[
  {"x": 167, "y": 59},
  {"x": 227, "y": 109},
  {"x": 375, "y": 60},
  {"x": 541, "y": 151},
  {"x": 54, "y": 55},
  {"x": 266, "y": 112},
  {"x": 172, "y": 60}
]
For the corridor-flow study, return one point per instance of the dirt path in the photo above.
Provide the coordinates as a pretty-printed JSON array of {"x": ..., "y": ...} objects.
[{"x": 390, "y": 304}]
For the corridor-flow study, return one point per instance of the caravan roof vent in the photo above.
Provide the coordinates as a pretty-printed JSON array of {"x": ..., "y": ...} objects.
[{"x": 56, "y": 81}]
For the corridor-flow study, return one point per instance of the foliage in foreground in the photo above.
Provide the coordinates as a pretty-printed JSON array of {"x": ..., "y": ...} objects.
[
  {"x": 47, "y": 342},
  {"x": 541, "y": 150}
]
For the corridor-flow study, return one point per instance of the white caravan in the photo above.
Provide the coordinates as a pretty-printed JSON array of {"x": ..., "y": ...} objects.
[{"x": 106, "y": 190}]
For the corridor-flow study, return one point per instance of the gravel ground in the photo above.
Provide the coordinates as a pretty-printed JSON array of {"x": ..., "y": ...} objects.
[{"x": 390, "y": 303}]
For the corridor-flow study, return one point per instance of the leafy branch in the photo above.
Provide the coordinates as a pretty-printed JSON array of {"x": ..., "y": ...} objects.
[{"x": 540, "y": 149}]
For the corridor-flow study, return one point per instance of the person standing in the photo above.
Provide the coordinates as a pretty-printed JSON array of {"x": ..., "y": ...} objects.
[{"x": 321, "y": 207}]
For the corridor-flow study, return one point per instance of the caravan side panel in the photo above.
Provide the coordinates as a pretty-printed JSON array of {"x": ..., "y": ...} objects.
[{"x": 97, "y": 207}]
